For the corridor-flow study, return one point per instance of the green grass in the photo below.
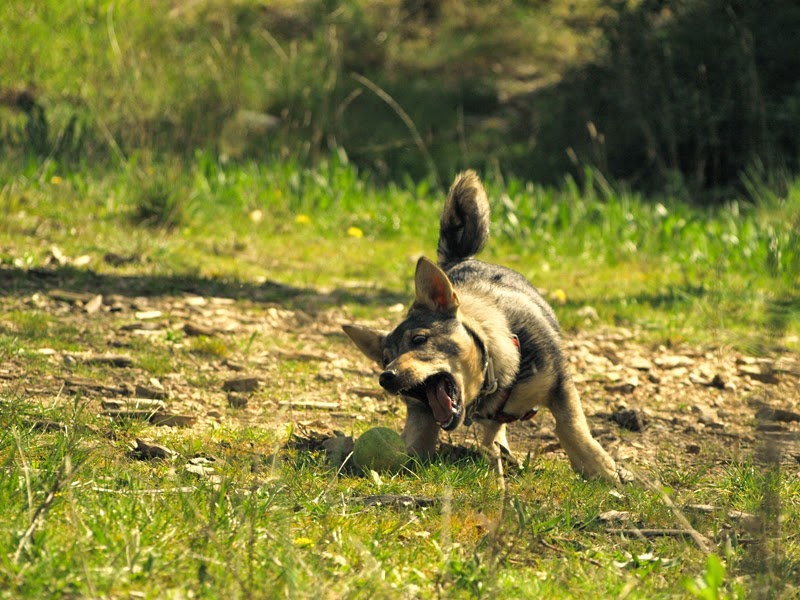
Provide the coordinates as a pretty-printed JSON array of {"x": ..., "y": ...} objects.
[
  {"x": 669, "y": 270},
  {"x": 174, "y": 77},
  {"x": 287, "y": 525},
  {"x": 282, "y": 522}
]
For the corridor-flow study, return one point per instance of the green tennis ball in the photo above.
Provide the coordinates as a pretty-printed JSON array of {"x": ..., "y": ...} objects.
[{"x": 380, "y": 449}]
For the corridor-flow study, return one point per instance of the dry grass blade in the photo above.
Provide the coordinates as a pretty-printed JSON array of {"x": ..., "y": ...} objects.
[
  {"x": 699, "y": 539},
  {"x": 381, "y": 93}
]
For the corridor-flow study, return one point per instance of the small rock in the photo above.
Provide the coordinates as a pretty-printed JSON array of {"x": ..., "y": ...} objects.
[
  {"x": 640, "y": 364},
  {"x": 701, "y": 508},
  {"x": 157, "y": 393},
  {"x": 93, "y": 305},
  {"x": 196, "y": 301},
  {"x": 146, "y": 315},
  {"x": 172, "y": 420},
  {"x": 718, "y": 381},
  {"x": 740, "y": 515},
  {"x": 202, "y": 469},
  {"x": 614, "y": 516},
  {"x": 692, "y": 449},
  {"x": 766, "y": 413},
  {"x": 755, "y": 372},
  {"x": 141, "y": 327},
  {"x": 195, "y": 330},
  {"x": 630, "y": 419},
  {"x": 673, "y": 361},
  {"x": 588, "y": 313},
  {"x": 241, "y": 384},
  {"x": 771, "y": 428},
  {"x": 56, "y": 256},
  {"x": 233, "y": 365},
  {"x": 236, "y": 400},
  {"x": 115, "y": 360},
  {"x": 143, "y": 450},
  {"x": 626, "y": 387}
]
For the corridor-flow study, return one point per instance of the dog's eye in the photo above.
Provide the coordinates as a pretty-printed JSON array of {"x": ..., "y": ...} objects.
[{"x": 418, "y": 340}]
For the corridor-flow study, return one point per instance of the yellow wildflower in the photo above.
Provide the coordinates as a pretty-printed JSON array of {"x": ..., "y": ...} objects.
[
  {"x": 355, "y": 232},
  {"x": 302, "y": 219}
]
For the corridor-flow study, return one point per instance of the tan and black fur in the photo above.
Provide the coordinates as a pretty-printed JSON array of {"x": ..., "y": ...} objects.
[{"x": 480, "y": 343}]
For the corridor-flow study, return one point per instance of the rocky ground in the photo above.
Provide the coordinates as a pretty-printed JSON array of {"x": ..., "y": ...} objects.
[{"x": 192, "y": 361}]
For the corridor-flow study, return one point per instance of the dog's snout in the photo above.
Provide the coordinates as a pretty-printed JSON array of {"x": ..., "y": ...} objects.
[{"x": 388, "y": 379}]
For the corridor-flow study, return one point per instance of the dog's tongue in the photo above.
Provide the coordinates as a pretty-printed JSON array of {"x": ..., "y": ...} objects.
[{"x": 440, "y": 402}]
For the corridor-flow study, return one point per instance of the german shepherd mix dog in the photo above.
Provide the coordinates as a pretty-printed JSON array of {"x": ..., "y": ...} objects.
[{"x": 479, "y": 343}]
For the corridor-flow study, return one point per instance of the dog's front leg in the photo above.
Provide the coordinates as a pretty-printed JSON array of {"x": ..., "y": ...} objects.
[
  {"x": 585, "y": 454},
  {"x": 421, "y": 431},
  {"x": 494, "y": 445},
  {"x": 494, "y": 437}
]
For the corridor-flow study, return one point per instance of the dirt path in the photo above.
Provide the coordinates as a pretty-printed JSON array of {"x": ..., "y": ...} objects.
[{"x": 205, "y": 359}]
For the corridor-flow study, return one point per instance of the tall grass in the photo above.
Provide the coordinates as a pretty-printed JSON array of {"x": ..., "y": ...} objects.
[{"x": 161, "y": 77}]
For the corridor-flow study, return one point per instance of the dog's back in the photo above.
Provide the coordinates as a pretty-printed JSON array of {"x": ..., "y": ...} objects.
[{"x": 463, "y": 232}]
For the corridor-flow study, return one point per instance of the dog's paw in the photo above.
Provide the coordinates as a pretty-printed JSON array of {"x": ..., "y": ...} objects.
[
  {"x": 491, "y": 453},
  {"x": 598, "y": 464},
  {"x": 624, "y": 476},
  {"x": 508, "y": 457}
]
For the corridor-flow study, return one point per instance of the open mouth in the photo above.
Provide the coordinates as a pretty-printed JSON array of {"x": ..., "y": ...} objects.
[{"x": 441, "y": 393}]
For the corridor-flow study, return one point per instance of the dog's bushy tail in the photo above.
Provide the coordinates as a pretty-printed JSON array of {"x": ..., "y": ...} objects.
[{"x": 464, "y": 227}]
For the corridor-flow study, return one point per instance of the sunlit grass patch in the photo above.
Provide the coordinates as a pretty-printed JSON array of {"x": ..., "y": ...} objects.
[{"x": 209, "y": 347}]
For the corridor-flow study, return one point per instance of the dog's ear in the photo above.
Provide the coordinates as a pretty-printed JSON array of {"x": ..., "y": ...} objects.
[
  {"x": 369, "y": 341},
  {"x": 433, "y": 288}
]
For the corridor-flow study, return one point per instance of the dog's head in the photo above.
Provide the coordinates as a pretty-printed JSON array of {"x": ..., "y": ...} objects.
[{"x": 431, "y": 357}]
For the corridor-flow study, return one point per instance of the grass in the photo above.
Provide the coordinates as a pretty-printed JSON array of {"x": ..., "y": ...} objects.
[
  {"x": 82, "y": 518},
  {"x": 287, "y": 525},
  {"x": 669, "y": 270},
  {"x": 178, "y": 77}
]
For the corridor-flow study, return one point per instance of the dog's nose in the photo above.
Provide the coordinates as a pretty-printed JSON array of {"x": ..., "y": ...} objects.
[{"x": 388, "y": 379}]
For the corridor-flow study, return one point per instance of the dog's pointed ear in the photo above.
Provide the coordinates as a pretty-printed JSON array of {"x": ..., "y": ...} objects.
[
  {"x": 434, "y": 289},
  {"x": 369, "y": 341}
]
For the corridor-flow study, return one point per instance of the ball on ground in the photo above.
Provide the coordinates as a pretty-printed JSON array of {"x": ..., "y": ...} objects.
[{"x": 380, "y": 449}]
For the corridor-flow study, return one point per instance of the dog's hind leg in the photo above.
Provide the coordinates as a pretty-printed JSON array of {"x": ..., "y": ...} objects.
[{"x": 585, "y": 454}]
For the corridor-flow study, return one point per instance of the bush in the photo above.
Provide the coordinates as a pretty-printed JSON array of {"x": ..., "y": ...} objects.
[{"x": 688, "y": 95}]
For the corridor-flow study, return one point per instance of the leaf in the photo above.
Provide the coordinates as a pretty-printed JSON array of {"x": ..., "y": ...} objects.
[
  {"x": 614, "y": 515},
  {"x": 715, "y": 572}
]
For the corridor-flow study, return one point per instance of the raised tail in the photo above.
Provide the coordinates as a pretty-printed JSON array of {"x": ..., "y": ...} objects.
[{"x": 464, "y": 227}]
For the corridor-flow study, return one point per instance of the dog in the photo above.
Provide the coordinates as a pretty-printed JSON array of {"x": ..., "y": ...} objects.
[{"x": 479, "y": 343}]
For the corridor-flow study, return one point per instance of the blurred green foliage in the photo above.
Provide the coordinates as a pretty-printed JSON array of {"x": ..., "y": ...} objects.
[{"x": 683, "y": 96}]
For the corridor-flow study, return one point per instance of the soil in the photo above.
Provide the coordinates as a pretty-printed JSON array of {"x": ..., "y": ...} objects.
[{"x": 248, "y": 361}]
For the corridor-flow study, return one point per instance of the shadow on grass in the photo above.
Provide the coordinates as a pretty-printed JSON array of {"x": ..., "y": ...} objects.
[{"x": 24, "y": 282}]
